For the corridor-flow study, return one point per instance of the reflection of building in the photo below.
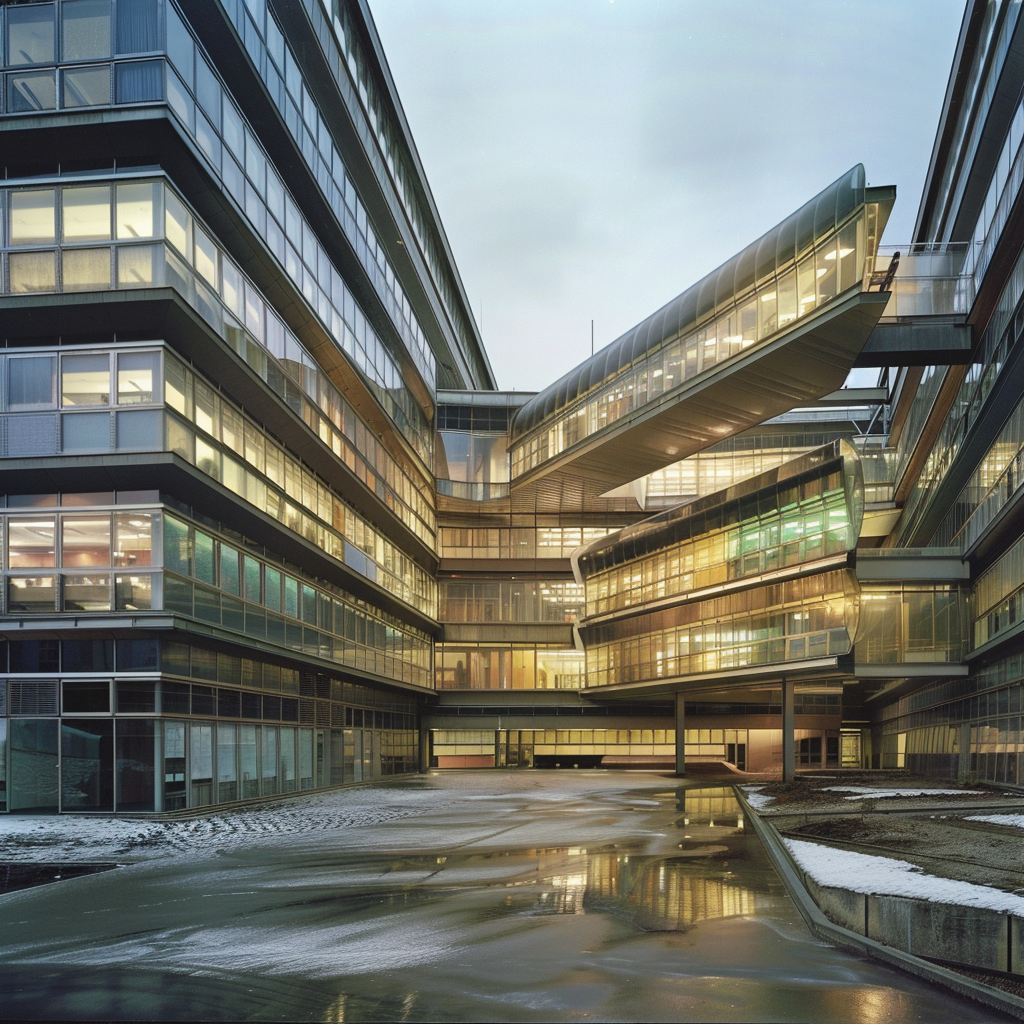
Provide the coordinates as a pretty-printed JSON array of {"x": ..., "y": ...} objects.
[{"x": 269, "y": 528}]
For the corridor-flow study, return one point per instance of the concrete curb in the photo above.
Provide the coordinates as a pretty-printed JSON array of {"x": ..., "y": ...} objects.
[{"x": 821, "y": 927}]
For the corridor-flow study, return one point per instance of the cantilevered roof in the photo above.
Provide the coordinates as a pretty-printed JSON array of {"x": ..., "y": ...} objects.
[{"x": 819, "y": 217}]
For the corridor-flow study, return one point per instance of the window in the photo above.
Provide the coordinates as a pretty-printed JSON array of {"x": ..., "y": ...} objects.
[
  {"x": 177, "y": 223},
  {"x": 31, "y": 383},
  {"x": 137, "y": 377},
  {"x": 229, "y": 580},
  {"x": 137, "y": 205},
  {"x": 206, "y": 256},
  {"x": 85, "y": 541},
  {"x": 31, "y": 594},
  {"x": 31, "y": 91},
  {"x": 140, "y": 81},
  {"x": 138, "y": 23},
  {"x": 204, "y": 557},
  {"x": 86, "y": 432},
  {"x": 86, "y": 214},
  {"x": 32, "y": 271},
  {"x": 85, "y": 29},
  {"x": 33, "y": 220},
  {"x": 85, "y": 380},
  {"x": 133, "y": 539},
  {"x": 86, "y": 696},
  {"x": 30, "y": 35},
  {"x": 88, "y": 656},
  {"x": 135, "y": 266},
  {"x": 177, "y": 546},
  {"x": 87, "y": 593},
  {"x": 85, "y": 87},
  {"x": 142, "y": 428},
  {"x": 133, "y": 593},
  {"x": 85, "y": 270},
  {"x": 30, "y": 543}
]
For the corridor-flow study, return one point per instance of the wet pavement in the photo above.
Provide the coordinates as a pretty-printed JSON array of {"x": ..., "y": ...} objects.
[{"x": 519, "y": 896}]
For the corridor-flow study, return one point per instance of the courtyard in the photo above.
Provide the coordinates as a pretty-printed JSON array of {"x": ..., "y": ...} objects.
[{"x": 530, "y": 895}]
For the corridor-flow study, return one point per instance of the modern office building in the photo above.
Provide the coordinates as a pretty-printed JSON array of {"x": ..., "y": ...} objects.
[{"x": 269, "y": 526}]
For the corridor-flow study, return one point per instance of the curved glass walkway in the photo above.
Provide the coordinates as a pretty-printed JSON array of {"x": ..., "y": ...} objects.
[{"x": 777, "y": 326}]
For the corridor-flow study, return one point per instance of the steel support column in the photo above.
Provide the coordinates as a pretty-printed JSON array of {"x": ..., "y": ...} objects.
[
  {"x": 680, "y": 735},
  {"x": 788, "y": 731}
]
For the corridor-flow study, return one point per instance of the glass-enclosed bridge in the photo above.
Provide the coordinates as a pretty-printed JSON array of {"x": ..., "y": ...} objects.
[{"x": 776, "y": 327}]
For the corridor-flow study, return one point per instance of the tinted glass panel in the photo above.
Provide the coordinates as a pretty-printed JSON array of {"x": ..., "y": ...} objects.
[
  {"x": 85, "y": 29},
  {"x": 30, "y": 35}
]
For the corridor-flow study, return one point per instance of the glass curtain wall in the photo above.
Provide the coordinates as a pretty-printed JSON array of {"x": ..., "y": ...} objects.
[
  {"x": 198, "y": 267},
  {"x": 100, "y": 404},
  {"x": 207, "y": 112}
]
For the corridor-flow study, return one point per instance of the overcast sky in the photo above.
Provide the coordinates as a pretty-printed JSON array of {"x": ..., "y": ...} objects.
[{"x": 591, "y": 159}]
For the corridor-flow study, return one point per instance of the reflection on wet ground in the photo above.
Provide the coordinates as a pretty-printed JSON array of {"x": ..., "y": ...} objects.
[{"x": 676, "y": 915}]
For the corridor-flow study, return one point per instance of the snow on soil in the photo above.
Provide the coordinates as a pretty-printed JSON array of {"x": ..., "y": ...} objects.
[
  {"x": 886, "y": 876},
  {"x": 862, "y": 791},
  {"x": 756, "y": 798},
  {"x": 1011, "y": 820}
]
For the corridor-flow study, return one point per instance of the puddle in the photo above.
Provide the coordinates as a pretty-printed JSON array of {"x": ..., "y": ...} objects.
[{"x": 25, "y": 876}]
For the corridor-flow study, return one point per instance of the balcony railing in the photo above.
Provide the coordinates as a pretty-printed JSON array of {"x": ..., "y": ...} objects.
[{"x": 929, "y": 280}]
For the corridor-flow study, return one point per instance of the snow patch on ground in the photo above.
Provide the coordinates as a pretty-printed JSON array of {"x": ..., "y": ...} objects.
[
  {"x": 886, "y": 876},
  {"x": 86, "y": 838},
  {"x": 1011, "y": 820},
  {"x": 418, "y": 812},
  {"x": 756, "y": 798},
  {"x": 862, "y": 791}
]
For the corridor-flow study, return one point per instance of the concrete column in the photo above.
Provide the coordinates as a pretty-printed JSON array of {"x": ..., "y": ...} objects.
[
  {"x": 424, "y": 748},
  {"x": 158, "y": 763},
  {"x": 788, "y": 731},
  {"x": 680, "y": 735}
]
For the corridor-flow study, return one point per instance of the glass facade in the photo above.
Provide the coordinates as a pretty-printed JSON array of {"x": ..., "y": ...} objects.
[
  {"x": 360, "y": 89},
  {"x": 804, "y": 263},
  {"x": 510, "y": 601},
  {"x": 807, "y": 618},
  {"x": 209, "y": 578},
  {"x": 151, "y": 724},
  {"x": 145, "y": 559},
  {"x": 794, "y": 523},
  {"x": 650, "y": 613},
  {"x": 913, "y": 623},
  {"x": 213, "y": 285},
  {"x": 497, "y": 666},
  {"x": 154, "y": 402},
  {"x": 516, "y": 542},
  {"x": 210, "y": 116}
]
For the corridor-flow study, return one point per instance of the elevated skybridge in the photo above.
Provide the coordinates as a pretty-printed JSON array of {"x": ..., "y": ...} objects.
[{"x": 777, "y": 326}]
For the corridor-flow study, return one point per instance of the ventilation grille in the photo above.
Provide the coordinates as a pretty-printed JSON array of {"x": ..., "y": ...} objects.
[{"x": 35, "y": 697}]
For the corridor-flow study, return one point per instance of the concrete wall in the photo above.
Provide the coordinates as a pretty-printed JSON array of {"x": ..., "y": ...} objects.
[{"x": 940, "y": 931}]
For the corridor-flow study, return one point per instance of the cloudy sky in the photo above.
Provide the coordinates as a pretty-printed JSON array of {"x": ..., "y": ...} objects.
[{"x": 593, "y": 158}]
